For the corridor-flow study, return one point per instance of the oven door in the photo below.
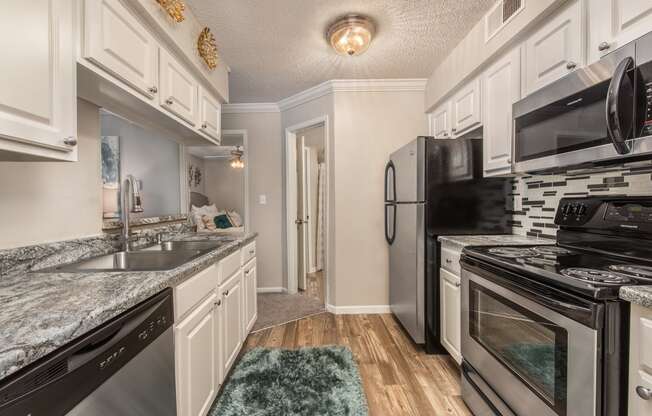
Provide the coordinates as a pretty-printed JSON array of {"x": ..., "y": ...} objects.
[{"x": 536, "y": 359}]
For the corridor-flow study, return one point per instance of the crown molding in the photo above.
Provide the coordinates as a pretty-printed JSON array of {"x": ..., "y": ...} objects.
[
  {"x": 352, "y": 85},
  {"x": 250, "y": 108}
]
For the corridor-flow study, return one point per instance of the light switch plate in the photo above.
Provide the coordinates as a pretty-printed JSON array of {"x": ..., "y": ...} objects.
[{"x": 262, "y": 199}]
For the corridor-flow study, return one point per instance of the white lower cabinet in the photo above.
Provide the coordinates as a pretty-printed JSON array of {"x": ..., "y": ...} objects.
[
  {"x": 197, "y": 356},
  {"x": 232, "y": 318},
  {"x": 640, "y": 362},
  {"x": 250, "y": 284},
  {"x": 450, "y": 304}
]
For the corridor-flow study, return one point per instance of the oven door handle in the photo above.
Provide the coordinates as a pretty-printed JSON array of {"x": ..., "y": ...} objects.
[{"x": 617, "y": 129}]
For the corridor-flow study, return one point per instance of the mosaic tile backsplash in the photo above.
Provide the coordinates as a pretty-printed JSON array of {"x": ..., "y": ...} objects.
[{"x": 536, "y": 197}]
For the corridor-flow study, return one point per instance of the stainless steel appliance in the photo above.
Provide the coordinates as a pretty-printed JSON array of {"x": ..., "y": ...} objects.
[
  {"x": 543, "y": 330},
  {"x": 123, "y": 368},
  {"x": 597, "y": 115},
  {"x": 432, "y": 188}
]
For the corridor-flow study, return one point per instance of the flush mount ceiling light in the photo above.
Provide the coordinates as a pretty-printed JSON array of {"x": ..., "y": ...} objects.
[
  {"x": 351, "y": 35},
  {"x": 236, "y": 161}
]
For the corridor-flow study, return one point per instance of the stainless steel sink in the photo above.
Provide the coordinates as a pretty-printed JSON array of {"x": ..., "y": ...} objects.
[
  {"x": 131, "y": 261},
  {"x": 202, "y": 245}
]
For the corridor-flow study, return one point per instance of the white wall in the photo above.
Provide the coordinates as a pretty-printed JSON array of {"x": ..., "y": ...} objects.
[
  {"x": 151, "y": 158},
  {"x": 53, "y": 201},
  {"x": 265, "y": 158},
  {"x": 224, "y": 185}
]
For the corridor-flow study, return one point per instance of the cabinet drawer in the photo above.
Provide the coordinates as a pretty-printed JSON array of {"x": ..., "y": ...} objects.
[
  {"x": 248, "y": 252},
  {"x": 193, "y": 290},
  {"x": 450, "y": 260},
  {"x": 229, "y": 265},
  {"x": 645, "y": 351},
  {"x": 640, "y": 407}
]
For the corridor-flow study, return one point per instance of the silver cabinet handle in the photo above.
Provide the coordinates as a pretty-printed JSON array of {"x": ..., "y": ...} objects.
[
  {"x": 571, "y": 65},
  {"x": 603, "y": 46},
  {"x": 70, "y": 141},
  {"x": 153, "y": 89},
  {"x": 643, "y": 393},
  {"x": 169, "y": 101}
]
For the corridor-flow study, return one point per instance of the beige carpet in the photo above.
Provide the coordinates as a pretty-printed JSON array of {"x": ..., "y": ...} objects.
[{"x": 279, "y": 308}]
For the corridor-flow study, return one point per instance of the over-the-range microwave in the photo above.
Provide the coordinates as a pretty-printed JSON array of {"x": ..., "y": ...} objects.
[{"x": 600, "y": 115}]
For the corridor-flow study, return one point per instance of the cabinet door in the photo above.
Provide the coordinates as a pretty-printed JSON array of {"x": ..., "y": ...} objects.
[
  {"x": 196, "y": 345},
  {"x": 178, "y": 88},
  {"x": 210, "y": 115},
  {"x": 232, "y": 318},
  {"x": 502, "y": 86},
  {"x": 613, "y": 23},
  {"x": 441, "y": 121},
  {"x": 451, "y": 327},
  {"x": 38, "y": 106},
  {"x": 466, "y": 108},
  {"x": 251, "y": 297},
  {"x": 117, "y": 42},
  {"x": 555, "y": 49}
]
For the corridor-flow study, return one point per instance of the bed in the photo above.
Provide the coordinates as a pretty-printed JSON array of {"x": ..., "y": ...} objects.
[{"x": 199, "y": 200}]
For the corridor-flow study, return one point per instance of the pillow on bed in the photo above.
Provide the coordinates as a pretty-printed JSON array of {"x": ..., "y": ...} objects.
[
  {"x": 196, "y": 214},
  {"x": 208, "y": 222},
  {"x": 222, "y": 221}
]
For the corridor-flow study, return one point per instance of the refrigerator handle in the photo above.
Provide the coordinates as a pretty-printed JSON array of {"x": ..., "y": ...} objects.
[
  {"x": 390, "y": 166},
  {"x": 388, "y": 237}
]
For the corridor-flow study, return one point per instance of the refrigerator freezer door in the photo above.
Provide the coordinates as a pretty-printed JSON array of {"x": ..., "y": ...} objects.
[
  {"x": 406, "y": 268},
  {"x": 409, "y": 171}
]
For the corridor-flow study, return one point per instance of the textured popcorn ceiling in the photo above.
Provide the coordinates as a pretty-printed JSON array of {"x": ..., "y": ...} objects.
[{"x": 276, "y": 48}]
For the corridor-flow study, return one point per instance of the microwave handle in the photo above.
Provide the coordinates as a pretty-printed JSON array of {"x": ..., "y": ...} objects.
[{"x": 615, "y": 127}]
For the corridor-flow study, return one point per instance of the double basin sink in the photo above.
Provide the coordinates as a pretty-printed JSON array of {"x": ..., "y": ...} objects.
[{"x": 165, "y": 256}]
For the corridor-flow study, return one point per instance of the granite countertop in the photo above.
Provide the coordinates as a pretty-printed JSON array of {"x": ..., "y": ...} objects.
[
  {"x": 44, "y": 311},
  {"x": 640, "y": 295},
  {"x": 462, "y": 241}
]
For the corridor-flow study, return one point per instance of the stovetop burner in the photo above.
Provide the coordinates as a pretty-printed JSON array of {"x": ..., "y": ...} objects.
[
  {"x": 640, "y": 272},
  {"x": 551, "y": 250},
  {"x": 511, "y": 252},
  {"x": 594, "y": 275}
]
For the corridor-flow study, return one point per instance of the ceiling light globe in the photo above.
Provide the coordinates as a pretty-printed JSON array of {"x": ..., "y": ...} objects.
[{"x": 351, "y": 35}]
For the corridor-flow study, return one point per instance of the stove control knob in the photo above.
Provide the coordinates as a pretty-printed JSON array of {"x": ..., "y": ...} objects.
[
  {"x": 565, "y": 209},
  {"x": 581, "y": 210}
]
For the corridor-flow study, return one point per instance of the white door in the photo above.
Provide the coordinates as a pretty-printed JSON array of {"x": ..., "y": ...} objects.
[
  {"x": 232, "y": 319},
  {"x": 196, "y": 345},
  {"x": 466, "y": 108},
  {"x": 451, "y": 327},
  {"x": 441, "y": 121},
  {"x": 251, "y": 297},
  {"x": 501, "y": 84},
  {"x": 179, "y": 89},
  {"x": 556, "y": 48},
  {"x": 210, "y": 115},
  {"x": 614, "y": 23},
  {"x": 38, "y": 98},
  {"x": 117, "y": 42}
]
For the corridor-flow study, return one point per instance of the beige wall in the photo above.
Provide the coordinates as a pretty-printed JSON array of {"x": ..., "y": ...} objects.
[
  {"x": 472, "y": 52},
  {"x": 265, "y": 158},
  {"x": 368, "y": 127},
  {"x": 54, "y": 201},
  {"x": 224, "y": 185}
]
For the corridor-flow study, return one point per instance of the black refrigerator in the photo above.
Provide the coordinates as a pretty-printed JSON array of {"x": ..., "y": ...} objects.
[{"x": 435, "y": 187}]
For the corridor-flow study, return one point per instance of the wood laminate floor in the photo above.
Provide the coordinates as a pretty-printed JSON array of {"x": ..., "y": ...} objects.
[{"x": 398, "y": 377}]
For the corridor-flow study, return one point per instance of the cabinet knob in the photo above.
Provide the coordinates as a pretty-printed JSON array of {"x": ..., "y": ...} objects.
[
  {"x": 252, "y": 251},
  {"x": 169, "y": 101},
  {"x": 458, "y": 284},
  {"x": 445, "y": 134},
  {"x": 509, "y": 161},
  {"x": 449, "y": 261},
  {"x": 153, "y": 90},
  {"x": 603, "y": 46},
  {"x": 219, "y": 302},
  {"x": 453, "y": 130},
  {"x": 70, "y": 141},
  {"x": 226, "y": 293},
  {"x": 204, "y": 125},
  {"x": 643, "y": 393},
  {"x": 571, "y": 65}
]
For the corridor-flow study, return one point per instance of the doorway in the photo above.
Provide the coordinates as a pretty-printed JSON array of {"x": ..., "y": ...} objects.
[{"x": 307, "y": 208}]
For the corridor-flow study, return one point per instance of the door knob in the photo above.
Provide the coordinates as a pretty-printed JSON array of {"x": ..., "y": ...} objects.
[
  {"x": 571, "y": 65},
  {"x": 603, "y": 46},
  {"x": 643, "y": 393},
  {"x": 299, "y": 222},
  {"x": 70, "y": 141}
]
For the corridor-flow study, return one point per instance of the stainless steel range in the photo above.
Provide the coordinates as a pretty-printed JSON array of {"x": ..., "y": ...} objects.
[{"x": 543, "y": 330}]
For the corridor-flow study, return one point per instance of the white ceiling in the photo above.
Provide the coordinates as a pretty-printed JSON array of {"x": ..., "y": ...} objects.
[{"x": 276, "y": 48}]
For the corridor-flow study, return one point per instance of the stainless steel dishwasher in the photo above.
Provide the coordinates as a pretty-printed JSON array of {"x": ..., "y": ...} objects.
[{"x": 123, "y": 368}]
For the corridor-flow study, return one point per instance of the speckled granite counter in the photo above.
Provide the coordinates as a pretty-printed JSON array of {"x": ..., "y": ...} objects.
[
  {"x": 462, "y": 241},
  {"x": 640, "y": 295},
  {"x": 42, "y": 311}
]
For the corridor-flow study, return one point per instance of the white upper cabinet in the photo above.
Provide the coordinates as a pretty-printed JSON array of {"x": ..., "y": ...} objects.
[
  {"x": 466, "y": 108},
  {"x": 441, "y": 121},
  {"x": 38, "y": 99},
  {"x": 210, "y": 115},
  {"x": 501, "y": 84},
  {"x": 556, "y": 48},
  {"x": 613, "y": 23},
  {"x": 118, "y": 43},
  {"x": 178, "y": 88}
]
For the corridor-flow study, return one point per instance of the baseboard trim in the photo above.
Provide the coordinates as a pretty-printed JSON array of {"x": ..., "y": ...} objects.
[
  {"x": 358, "y": 309},
  {"x": 271, "y": 290}
]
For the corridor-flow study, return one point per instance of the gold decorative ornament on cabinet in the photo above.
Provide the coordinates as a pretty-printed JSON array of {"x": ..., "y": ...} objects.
[
  {"x": 174, "y": 9},
  {"x": 207, "y": 48}
]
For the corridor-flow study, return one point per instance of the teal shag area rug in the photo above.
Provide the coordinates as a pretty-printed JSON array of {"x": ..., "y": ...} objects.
[{"x": 309, "y": 381}]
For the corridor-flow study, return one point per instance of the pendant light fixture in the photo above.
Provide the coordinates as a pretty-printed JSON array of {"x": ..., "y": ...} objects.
[
  {"x": 236, "y": 160},
  {"x": 351, "y": 35}
]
